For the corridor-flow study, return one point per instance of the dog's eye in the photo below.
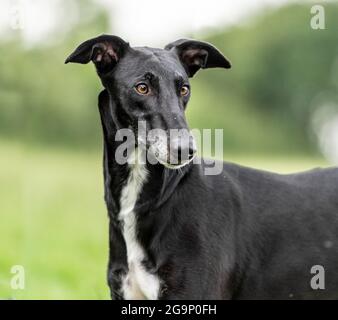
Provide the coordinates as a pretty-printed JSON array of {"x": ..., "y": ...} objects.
[
  {"x": 142, "y": 88},
  {"x": 184, "y": 91}
]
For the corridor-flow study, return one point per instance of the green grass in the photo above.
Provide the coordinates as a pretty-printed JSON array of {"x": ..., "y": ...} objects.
[
  {"x": 54, "y": 223},
  {"x": 53, "y": 219}
]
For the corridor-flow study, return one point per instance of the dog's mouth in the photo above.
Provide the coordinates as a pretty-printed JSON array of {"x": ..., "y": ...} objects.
[
  {"x": 159, "y": 151},
  {"x": 174, "y": 166},
  {"x": 170, "y": 160}
]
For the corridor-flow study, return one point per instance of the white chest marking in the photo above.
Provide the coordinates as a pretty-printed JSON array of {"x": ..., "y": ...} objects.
[{"x": 137, "y": 283}]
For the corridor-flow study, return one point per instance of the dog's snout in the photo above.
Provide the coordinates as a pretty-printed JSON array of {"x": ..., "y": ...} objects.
[
  {"x": 192, "y": 152},
  {"x": 182, "y": 150}
]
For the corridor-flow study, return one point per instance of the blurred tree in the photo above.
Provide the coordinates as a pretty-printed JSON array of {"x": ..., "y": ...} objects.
[
  {"x": 264, "y": 103},
  {"x": 41, "y": 100},
  {"x": 280, "y": 65}
]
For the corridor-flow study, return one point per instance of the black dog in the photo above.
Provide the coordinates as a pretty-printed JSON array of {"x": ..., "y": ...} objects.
[{"x": 176, "y": 233}]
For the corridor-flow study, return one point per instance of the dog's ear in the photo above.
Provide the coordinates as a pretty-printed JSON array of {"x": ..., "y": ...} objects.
[
  {"x": 105, "y": 51},
  {"x": 106, "y": 118},
  {"x": 197, "y": 54}
]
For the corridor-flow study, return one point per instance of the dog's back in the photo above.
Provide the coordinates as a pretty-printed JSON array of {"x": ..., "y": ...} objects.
[{"x": 288, "y": 224}]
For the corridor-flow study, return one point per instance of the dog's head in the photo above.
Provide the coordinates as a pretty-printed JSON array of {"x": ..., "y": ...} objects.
[{"x": 151, "y": 86}]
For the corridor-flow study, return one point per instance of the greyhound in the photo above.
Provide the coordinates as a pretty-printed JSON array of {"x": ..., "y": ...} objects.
[{"x": 177, "y": 233}]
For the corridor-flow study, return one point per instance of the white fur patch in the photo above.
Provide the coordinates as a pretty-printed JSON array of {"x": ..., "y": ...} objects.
[{"x": 137, "y": 283}]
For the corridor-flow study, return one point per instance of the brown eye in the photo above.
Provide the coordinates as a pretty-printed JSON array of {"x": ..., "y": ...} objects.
[
  {"x": 184, "y": 91},
  {"x": 142, "y": 88}
]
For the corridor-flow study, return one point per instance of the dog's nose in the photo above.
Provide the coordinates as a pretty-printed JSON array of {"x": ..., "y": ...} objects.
[
  {"x": 192, "y": 152},
  {"x": 184, "y": 152}
]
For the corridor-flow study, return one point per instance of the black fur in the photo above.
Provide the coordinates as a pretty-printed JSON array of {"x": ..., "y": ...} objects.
[{"x": 242, "y": 234}]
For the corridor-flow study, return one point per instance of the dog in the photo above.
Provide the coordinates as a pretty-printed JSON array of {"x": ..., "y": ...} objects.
[{"x": 177, "y": 233}]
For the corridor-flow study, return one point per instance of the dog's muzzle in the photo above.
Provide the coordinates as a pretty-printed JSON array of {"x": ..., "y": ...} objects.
[{"x": 173, "y": 151}]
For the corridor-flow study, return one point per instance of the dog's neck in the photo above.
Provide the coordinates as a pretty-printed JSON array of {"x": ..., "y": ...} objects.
[{"x": 157, "y": 186}]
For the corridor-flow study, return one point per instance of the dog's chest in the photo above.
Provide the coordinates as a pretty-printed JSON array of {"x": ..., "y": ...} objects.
[{"x": 138, "y": 283}]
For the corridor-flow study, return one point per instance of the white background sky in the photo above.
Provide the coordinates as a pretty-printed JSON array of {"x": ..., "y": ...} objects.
[
  {"x": 161, "y": 21},
  {"x": 153, "y": 22}
]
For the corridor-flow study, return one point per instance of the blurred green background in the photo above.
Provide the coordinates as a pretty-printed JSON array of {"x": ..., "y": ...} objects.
[{"x": 275, "y": 106}]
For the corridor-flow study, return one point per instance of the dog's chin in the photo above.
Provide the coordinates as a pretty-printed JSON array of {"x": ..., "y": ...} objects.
[
  {"x": 173, "y": 166},
  {"x": 162, "y": 160}
]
